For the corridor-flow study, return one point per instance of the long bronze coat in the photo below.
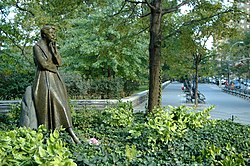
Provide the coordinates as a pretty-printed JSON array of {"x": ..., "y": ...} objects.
[{"x": 49, "y": 91}]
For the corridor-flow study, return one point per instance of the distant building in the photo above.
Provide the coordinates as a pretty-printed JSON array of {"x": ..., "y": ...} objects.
[{"x": 246, "y": 7}]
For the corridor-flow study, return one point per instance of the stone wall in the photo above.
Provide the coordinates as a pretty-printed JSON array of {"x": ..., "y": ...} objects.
[{"x": 135, "y": 99}]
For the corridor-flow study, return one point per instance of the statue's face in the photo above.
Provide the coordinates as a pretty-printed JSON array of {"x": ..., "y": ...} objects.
[{"x": 51, "y": 35}]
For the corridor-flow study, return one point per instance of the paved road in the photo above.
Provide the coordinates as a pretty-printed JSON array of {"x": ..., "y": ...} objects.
[{"x": 226, "y": 105}]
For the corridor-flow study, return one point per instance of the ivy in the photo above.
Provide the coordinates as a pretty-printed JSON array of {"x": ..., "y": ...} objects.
[
  {"x": 174, "y": 136},
  {"x": 23, "y": 146},
  {"x": 173, "y": 122}
]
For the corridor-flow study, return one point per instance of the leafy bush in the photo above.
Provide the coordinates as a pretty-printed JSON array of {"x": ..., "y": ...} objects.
[
  {"x": 76, "y": 86},
  {"x": 98, "y": 88},
  {"x": 182, "y": 137},
  {"x": 165, "y": 125},
  {"x": 130, "y": 86},
  {"x": 10, "y": 120},
  {"x": 121, "y": 116},
  {"x": 84, "y": 118},
  {"x": 201, "y": 142},
  {"x": 106, "y": 88},
  {"x": 24, "y": 146},
  {"x": 13, "y": 86}
]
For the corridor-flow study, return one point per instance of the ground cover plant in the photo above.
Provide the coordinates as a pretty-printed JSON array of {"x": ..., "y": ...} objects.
[{"x": 118, "y": 136}]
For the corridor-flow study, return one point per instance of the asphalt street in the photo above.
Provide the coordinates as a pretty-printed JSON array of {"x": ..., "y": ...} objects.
[{"x": 226, "y": 106}]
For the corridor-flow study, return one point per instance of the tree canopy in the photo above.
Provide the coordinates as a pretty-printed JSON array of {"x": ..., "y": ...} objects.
[{"x": 120, "y": 38}]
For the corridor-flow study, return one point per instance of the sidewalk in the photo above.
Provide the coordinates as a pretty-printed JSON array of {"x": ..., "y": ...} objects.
[{"x": 226, "y": 106}]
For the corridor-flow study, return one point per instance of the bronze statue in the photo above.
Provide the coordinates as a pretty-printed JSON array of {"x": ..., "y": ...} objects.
[{"x": 49, "y": 91}]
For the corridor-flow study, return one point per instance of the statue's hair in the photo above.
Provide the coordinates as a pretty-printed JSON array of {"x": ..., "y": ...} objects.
[{"x": 45, "y": 29}]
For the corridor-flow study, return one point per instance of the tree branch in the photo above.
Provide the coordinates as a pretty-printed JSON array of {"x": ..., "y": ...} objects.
[
  {"x": 123, "y": 5},
  {"x": 135, "y": 34},
  {"x": 136, "y": 2},
  {"x": 173, "y": 9},
  {"x": 178, "y": 30},
  {"x": 133, "y": 2},
  {"x": 12, "y": 39},
  {"x": 145, "y": 15},
  {"x": 22, "y": 9},
  {"x": 150, "y": 6}
]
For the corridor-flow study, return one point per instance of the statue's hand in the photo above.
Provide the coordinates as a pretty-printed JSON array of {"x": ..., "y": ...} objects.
[
  {"x": 55, "y": 53},
  {"x": 53, "y": 47}
]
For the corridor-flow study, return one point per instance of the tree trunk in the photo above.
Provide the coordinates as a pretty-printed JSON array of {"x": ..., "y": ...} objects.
[
  {"x": 155, "y": 55},
  {"x": 109, "y": 72},
  {"x": 196, "y": 82},
  {"x": 197, "y": 62}
]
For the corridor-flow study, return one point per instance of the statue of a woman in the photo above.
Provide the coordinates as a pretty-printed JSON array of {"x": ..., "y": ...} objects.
[{"x": 49, "y": 91}]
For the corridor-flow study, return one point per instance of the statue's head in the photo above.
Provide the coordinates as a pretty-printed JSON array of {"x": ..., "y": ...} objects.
[{"x": 48, "y": 32}]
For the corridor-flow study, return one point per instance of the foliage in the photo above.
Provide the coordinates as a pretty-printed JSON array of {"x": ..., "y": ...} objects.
[
  {"x": 16, "y": 74},
  {"x": 89, "y": 48},
  {"x": 220, "y": 145},
  {"x": 131, "y": 153},
  {"x": 107, "y": 38},
  {"x": 120, "y": 116},
  {"x": 13, "y": 86},
  {"x": 164, "y": 125},
  {"x": 130, "y": 86},
  {"x": 76, "y": 86},
  {"x": 14, "y": 114},
  {"x": 106, "y": 88},
  {"x": 102, "y": 48},
  {"x": 236, "y": 51},
  {"x": 10, "y": 120},
  {"x": 86, "y": 119},
  {"x": 103, "y": 88},
  {"x": 23, "y": 146},
  {"x": 204, "y": 142}
]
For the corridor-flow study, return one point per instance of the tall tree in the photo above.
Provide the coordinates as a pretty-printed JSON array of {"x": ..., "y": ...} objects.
[
  {"x": 168, "y": 15},
  {"x": 105, "y": 49},
  {"x": 156, "y": 10}
]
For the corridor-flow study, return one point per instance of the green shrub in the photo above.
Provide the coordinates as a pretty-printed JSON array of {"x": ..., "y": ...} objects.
[
  {"x": 14, "y": 85},
  {"x": 130, "y": 86},
  {"x": 77, "y": 87},
  {"x": 221, "y": 143},
  {"x": 164, "y": 125},
  {"x": 106, "y": 88},
  {"x": 103, "y": 88},
  {"x": 24, "y": 146},
  {"x": 10, "y": 120},
  {"x": 120, "y": 116},
  {"x": 191, "y": 139},
  {"x": 203, "y": 143},
  {"x": 84, "y": 118}
]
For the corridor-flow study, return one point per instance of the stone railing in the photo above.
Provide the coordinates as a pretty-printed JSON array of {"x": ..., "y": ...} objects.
[{"x": 135, "y": 99}]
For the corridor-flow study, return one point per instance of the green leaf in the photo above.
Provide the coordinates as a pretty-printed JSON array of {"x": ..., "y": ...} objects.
[{"x": 41, "y": 152}]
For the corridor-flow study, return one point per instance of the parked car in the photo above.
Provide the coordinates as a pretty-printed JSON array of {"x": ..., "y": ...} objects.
[
  {"x": 235, "y": 84},
  {"x": 247, "y": 90},
  {"x": 223, "y": 81},
  {"x": 247, "y": 83}
]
